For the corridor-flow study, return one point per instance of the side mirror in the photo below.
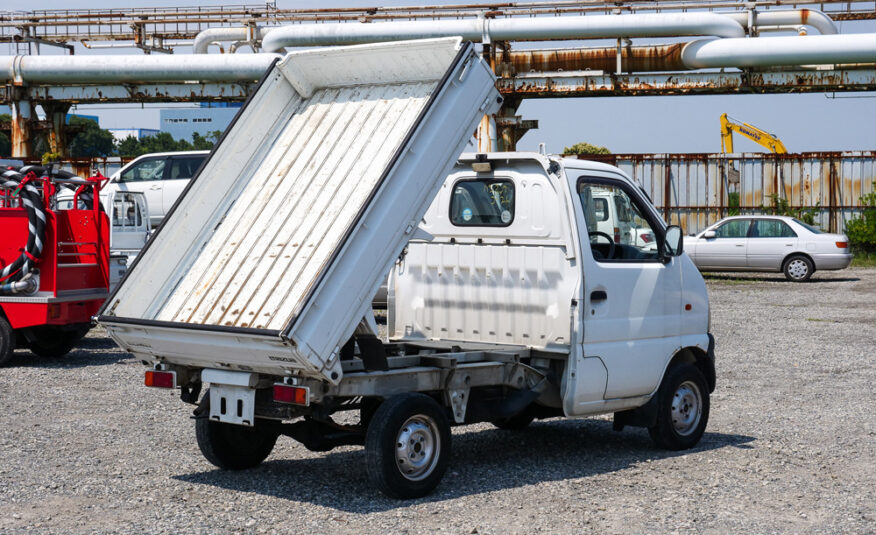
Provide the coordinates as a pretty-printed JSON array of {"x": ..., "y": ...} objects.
[
  {"x": 709, "y": 234},
  {"x": 673, "y": 242}
]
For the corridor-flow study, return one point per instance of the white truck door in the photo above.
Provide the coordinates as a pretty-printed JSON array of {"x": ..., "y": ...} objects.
[{"x": 632, "y": 300}]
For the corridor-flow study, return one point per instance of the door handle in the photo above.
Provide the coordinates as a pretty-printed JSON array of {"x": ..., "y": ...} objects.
[
  {"x": 598, "y": 295},
  {"x": 740, "y": 245}
]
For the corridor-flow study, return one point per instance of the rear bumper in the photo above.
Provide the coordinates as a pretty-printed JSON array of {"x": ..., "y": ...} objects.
[{"x": 832, "y": 261}]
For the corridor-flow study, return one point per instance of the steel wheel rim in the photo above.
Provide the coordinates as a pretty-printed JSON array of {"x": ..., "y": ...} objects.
[
  {"x": 417, "y": 447},
  {"x": 687, "y": 408},
  {"x": 797, "y": 268}
]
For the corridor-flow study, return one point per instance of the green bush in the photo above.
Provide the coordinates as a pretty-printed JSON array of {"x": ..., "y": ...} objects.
[
  {"x": 585, "y": 148},
  {"x": 779, "y": 206},
  {"x": 733, "y": 203},
  {"x": 862, "y": 231}
]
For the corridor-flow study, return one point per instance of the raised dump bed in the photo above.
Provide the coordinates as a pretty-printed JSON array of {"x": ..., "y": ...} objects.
[{"x": 271, "y": 256}]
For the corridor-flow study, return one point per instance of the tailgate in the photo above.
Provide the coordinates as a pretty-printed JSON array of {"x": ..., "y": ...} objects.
[{"x": 279, "y": 243}]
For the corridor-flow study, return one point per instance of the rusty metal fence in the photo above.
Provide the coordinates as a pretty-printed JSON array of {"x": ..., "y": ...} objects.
[
  {"x": 703, "y": 188},
  {"x": 695, "y": 190}
]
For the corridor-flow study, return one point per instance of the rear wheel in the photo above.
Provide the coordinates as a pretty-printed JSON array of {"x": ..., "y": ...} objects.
[
  {"x": 798, "y": 268},
  {"x": 682, "y": 408},
  {"x": 234, "y": 447},
  {"x": 407, "y": 446},
  {"x": 7, "y": 342},
  {"x": 52, "y": 341}
]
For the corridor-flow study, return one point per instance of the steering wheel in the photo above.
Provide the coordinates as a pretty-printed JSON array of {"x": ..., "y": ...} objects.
[{"x": 611, "y": 245}]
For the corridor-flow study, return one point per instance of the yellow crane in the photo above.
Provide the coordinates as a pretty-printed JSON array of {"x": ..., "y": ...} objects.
[{"x": 728, "y": 126}]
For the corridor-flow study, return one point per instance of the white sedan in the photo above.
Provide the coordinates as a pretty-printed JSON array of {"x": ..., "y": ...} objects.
[{"x": 768, "y": 243}]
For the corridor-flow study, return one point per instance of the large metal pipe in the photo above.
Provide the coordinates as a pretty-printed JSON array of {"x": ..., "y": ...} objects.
[
  {"x": 134, "y": 68},
  {"x": 776, "y": 51},
  {"x": 246, "y": 34},
  {"x": 487, "y": 30},
  {"x": 633, "y": 59},
  {"x": 789, "y": 17}
]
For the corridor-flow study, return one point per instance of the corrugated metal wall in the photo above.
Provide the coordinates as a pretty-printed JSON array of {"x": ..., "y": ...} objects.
[{"x": 695, "y": 190}]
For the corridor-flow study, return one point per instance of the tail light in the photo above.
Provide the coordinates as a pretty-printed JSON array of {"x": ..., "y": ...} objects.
[
  {"x": 616, "y": 235},
  {"x": 842, "y": 244},
  {"x": 160, "y": 379},
  {"x": 296, "y": 395},
  {"x": 646, "y": 237}
]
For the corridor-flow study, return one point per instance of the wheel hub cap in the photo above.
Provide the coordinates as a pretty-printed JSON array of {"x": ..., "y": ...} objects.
[
  {"x": 417, "y": 447},
  {"x": 797, "y": 269},
  {"x": 687, "y": 407}
]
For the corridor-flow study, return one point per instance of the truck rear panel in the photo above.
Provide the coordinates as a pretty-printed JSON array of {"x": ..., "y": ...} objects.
[{"x": 285, "y": 234}]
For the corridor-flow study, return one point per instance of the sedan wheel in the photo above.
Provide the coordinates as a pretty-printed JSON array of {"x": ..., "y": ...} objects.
[{"x": 798, "y": 269}]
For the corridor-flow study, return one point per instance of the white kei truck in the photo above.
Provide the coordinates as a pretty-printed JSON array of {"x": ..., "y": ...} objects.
[{"x": 506, "y": 303}]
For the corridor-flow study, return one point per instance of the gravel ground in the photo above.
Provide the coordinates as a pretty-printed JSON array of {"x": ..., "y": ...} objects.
[{"x": 790, "y": 446}]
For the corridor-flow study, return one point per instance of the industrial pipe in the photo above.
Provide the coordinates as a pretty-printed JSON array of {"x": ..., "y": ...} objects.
[
  {"x": 788, "y": 17},
  {"x": 487, "y": 30},
  {"x": 247, "y": 34},
  {"x": 134, "y": 68},
  {"x": 648, "y": 58},
  {"x": 776, "y": 51}
]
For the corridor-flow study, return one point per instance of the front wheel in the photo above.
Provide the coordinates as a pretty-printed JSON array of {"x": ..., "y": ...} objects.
[
  {"x": 682, "y": 408},
  {"x": 234, "y": 447},
  {"x": 407, "y": 446},
  {"x": 52, "y": 342},
  {"x": 798, "y": 269}
]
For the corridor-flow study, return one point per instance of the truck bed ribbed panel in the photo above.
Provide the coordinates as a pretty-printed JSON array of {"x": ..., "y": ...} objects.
[{"x": 267, "y": 253}]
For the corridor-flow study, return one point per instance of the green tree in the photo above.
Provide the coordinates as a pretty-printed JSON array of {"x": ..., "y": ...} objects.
[
  {"x": 128, "y": 147},
  {"x": 5, "y": 142},
  {"x": 206, "y": 142},
  {"x": 862, "y": 231},
  {"x": 585, "y": 148},
  {"x": 92, "y": 141},
  {"x": 164, "y": 142}
]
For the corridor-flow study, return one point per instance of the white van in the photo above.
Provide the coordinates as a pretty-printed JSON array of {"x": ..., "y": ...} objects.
[
  {"x": 160, "y": 176},
  {"x": 501, "y": 306}
]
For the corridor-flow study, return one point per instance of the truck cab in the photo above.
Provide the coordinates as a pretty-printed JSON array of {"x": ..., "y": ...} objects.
[{"x": 512, "y": 254}]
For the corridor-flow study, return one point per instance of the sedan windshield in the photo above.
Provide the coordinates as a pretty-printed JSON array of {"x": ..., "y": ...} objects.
[{"x": 810, "y": 228}]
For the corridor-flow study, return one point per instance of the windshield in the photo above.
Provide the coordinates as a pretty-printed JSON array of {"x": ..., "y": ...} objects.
[{"x": 810, "y": 228}]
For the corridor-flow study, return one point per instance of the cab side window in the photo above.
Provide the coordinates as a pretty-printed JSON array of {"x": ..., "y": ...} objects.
[
  {"x": 737, "y": 228},
  {"x": 772, "y": 228},
  {"x": 482, "y": 202},
  {"x": 151, "y": 169},
  {"x": 619, "y": 226}
]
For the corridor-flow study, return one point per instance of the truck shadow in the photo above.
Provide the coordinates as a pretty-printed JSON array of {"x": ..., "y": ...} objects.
[
  {"x": 482, "y": 461},
  {"x": 91, "y": 351}
]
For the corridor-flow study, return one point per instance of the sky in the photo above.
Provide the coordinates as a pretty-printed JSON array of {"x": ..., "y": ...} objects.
[{"x": 804, "y": 122}]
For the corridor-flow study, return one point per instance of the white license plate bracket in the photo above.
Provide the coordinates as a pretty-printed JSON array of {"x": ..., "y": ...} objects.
[{"x": 232, "y": 404}]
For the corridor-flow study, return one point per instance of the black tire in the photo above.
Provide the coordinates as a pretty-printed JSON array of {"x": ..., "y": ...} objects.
[
  {"x": 407, "y": 446},
  {"x": 798, "y": 268},
  {"x": 367, "y": 409},
  {"x": 517, "y": 422},
  {"x": 682, "y": 408},
  {"x": 234, "y": 447},
  {"x": 52, "y": 342},
  {"x": 7, "y": 342}
]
